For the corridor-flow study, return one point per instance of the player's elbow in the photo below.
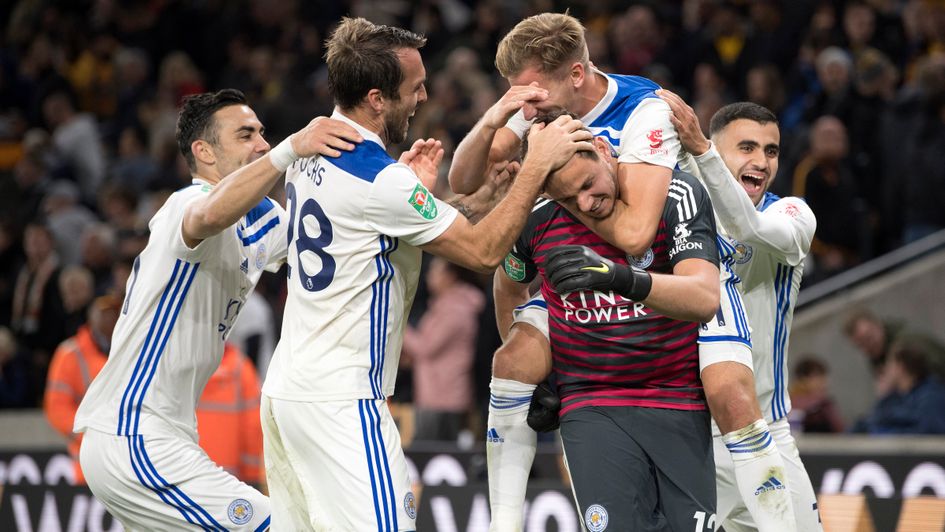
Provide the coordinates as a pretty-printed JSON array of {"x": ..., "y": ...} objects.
[
  {"x": 706, "y": 301},
  {"x": 487, "y": 264},
  {"x": 632, "y": 244},
  {"x": 460, "y": 183}
]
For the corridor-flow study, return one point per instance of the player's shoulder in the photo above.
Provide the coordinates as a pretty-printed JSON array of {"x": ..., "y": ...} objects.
[
  {"x": 791, "y": 206},
  {"x": 366, "y": 161},
  {"x": 633, "y": 84},
  {"x": 686, "y": 191}
]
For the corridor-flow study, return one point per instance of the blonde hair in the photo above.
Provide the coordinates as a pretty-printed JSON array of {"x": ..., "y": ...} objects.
[{"x": 548, "y": 41}]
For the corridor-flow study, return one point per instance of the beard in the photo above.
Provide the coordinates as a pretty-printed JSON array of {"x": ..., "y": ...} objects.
[{"x": 395, "y": 125}]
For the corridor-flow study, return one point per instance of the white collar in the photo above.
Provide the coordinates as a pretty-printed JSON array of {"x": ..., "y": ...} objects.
[{"x": 368, "y": 135}]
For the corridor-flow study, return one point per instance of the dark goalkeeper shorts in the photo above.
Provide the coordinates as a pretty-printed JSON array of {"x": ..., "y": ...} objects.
[{"x": 641, "y": 469}]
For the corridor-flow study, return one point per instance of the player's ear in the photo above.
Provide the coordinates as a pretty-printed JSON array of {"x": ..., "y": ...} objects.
[
  {"x": 376, "y": 100},
  {"x": 577, "y": 74},
  {"x": 203, "y": 151},
  {"x": 603, "y": 147}
]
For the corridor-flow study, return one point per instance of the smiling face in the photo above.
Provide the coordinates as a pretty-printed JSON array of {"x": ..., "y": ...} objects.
[
  {"x": 411, "y": 93},
  {"x": 586, "y": 184},
  {"x": 750, "y": 150},
  {"x": 238, "y": 140}
]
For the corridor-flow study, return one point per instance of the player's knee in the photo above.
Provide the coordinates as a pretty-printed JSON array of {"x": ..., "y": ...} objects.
[
  {"x": 730, "y": 393},
  {"x": 521, "y": 359}
]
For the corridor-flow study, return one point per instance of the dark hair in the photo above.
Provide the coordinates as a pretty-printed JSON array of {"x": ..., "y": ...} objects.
[
  {"x": 195, "y": 120},
  {"x": 913, "y": 356},
  {"x": 810, "y": 366},
  {"x": 362, "y": 56},
  {"x": 548, "y": 117},
  {"x": 737, "y": 111},
  {"x": 858, "y": 315}
]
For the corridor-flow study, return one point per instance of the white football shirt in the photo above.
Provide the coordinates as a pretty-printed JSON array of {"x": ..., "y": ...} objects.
[
  {"x": 179, "y": 308},
  {"x": 356, "y": 222},
  {"x": 771, "y": 242}
]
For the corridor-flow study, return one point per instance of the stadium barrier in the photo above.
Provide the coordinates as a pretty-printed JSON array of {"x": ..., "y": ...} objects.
[{"x": 865, "y": 484}]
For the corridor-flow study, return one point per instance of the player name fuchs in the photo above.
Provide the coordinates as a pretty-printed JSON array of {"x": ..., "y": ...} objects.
[
  {"x": 312, "y": 168},
  {"x": 605, "y": 307}
]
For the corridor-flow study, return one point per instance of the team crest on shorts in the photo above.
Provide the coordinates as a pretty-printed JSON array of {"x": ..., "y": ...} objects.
[
  {"x": 240, "y": 511},
  {"x": 410, "y": 505},
  {"x": 643, "y": 262},
  {"x": 595, "y": 518},
  {"x": 742, "y": 253},
  {"x": 261, "y": 256}
]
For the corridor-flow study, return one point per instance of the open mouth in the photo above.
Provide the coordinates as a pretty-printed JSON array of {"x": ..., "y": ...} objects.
[{"x": 753, "y": 183}]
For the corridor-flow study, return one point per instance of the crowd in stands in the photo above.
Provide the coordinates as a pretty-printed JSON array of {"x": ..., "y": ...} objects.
[{"x": 89, "y": 95}]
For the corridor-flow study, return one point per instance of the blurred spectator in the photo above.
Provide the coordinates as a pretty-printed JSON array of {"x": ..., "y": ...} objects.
[
  {"x": 132, "y": 72},
  {"x": 813, "y": 407},
  {"x": 134, "y": 169},
  {"x": 15, "y": 373},
  {"x": 22, "y": 196},
  {"x": 825, "y": 180},
  {"x": 37, "y": 317},
  {"x": 228, "y": 421},
  {"x": 875, "y": 338},
  {"x": 75, "y": 363},
  {"x": 76, "y": 141},
  {"x": 916, "y": 403},
  {"x": 119, "y": 206},
  {"x": 441, "y": 351},
  {"x": 98, "y": 251},
  {"x": 67, "y": 220},
  {"x": 78, "y": 289}
]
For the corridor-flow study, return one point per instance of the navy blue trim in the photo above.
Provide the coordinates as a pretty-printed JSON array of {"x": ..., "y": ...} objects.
[
  {"x": 259, "y": 211},
  {"x": 253, "y": 238},
  {"x": 161, "y": 493},
  {"x": 365, "y": 161},
  {"x": 534, "y": 303},
  {"x": 370, "y": 464},
  {"x": 390, "y": 484},
  {"x": 768, "y": 200},
  {"x": 725, "y": 338},
  {"x": 264, "y": 525},
  {"x": 132, "y": 383}
]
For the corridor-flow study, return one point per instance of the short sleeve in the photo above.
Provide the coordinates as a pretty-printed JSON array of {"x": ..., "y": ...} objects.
[
  {"x": 648, "y": 135},
  {"x": 398, "y": 205},
  {"x": 518, "y": 264},
  {"x": 168, "y": 224},
  {"x": 690, "y": 224},
  {"x": 518, "y": 124}
]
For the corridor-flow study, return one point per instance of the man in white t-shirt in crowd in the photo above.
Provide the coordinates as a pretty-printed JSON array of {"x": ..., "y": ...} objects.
[
  {"x": 208, "y": 246},
  {"x": 357, "y": 225}
]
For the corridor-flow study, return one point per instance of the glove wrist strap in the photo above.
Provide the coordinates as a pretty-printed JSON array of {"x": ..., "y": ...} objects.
[{"x": 633, "y": 283}]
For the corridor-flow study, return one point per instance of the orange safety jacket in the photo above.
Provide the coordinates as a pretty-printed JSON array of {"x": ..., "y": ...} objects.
[
  {"x": 228, "y": 417},
  {"x": 75, "y": 363}
]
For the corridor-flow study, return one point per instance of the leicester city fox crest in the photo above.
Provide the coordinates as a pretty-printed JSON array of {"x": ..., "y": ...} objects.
[
  {"x": 596, "y": 518},
  {"x": 742, "y": 253},
  {"x": 240, "y": 511},
  {"x": 643, "y": 262}
]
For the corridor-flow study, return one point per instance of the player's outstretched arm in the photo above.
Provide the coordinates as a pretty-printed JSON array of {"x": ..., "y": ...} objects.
[
  {"x": 242, "y": 190},
  {"x": 691, "y": 293},
  {"x": 490, "y": 141},
  {"x": 787, "y": 228},
  {"x": 482, "y": 247}
]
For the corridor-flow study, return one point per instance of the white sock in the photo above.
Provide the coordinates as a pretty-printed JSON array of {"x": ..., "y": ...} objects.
[
  {"x": 761, "y": 478},
  {"x": 510, "y": 451}
]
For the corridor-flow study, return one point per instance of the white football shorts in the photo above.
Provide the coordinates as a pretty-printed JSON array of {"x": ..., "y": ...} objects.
[
  {"x": 162, "y": 482},
  {"x": 335, "y": 465}
]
